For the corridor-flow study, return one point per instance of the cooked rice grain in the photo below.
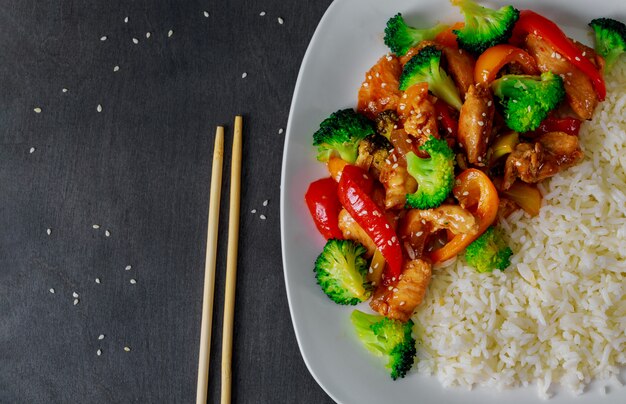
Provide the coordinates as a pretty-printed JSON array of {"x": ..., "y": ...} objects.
[{"x": 557, "y": 315}]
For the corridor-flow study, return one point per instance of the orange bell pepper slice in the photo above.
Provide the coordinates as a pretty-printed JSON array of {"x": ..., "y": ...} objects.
[
  {"x": 476, "y": 193},
  {"x": 495, "y": 58},
  {"x": 447, "y": 37}
]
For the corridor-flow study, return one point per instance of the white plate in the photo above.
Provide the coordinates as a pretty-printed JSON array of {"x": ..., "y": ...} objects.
[{"x": 347, "y": 42}]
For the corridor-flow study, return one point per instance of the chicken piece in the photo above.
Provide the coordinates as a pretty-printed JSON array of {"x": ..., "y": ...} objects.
[
  {"x": 449, "y": 217},
  {"x": 416, "y": 111},
  {"x": 353, "y": 231},
  {"x": 460, "y": 65},
  {"x": 400, "y": 300},
  {"x": 549, "y": 154},
  {"x": 591, "y": 55},
  {"x": 379, "y": 91},
  {"x": 413, "y": 233},
  {"x": 579, "y": 90},
  {"x": 475, "y": 123},
  {"x": 397, "y": 182}
]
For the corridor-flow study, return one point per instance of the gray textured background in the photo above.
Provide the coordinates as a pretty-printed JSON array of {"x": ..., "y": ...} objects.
[{"x": 141, "y": 169}]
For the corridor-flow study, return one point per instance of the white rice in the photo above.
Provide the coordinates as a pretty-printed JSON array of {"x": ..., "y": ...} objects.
[{"x": 557, "y": 315}]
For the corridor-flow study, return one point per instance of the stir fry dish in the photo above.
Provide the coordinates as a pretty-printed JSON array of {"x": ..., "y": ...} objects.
[{"x": 453, "y": 129}]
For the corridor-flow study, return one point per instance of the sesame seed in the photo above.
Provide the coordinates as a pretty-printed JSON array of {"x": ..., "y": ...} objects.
[
  {"x": 170, "y": 33},
  {"x": 127, "y": 349},
  {"x": 402, "y": 303},
  {"x": 99, "y": 352},
  {"x": 52, "y": 290},
  {"x": 262, "y": 217},
  {"x": 101, "y": 337},
  {"x": 383, "y": 85},
  {"x": 49, "y": 231},
  {"x": 402, "y": 107},
  {"x": 389, "y": 242},
  {"x": 366, "y": 177},
  {"x": 528, "y": 108},
  {"x": 584, "y": 53},
  {"x": 371, "y": 270},
  {"x": 280, "y": 131},
  {"x": 489, "y": 103},
  {"x": 244, "y": 75},
  {"x": 409, "y": 141},
  {"x": 481, "y": 123},
  {"x": 64, "y": 90},
  {"x": 128, "y": 267},
  {"x": 31, "y": 150},
  {"x": 577, "y": 59},
  {"x": 147, "y": 35},
  {"x": 125, "y": 20},
  {"x": 389, "y": 58},
  {"x": 133, "y": 281},
  {"x": 74, "y": 294},
  {"x": 107, "y": 233},
  {"x": 253, "y": 211},
  {"x": 419, "y": 233},
  {"x": 394, "y": 166},
  {"x": 99, "y": 108},
  {"x": 103, "y": 38},
  {"x": 280, "y": 21},
  {"x": 98, "y": 280},
  {"x": 390, "y": 288},
  {"x": 37, "y": 110},
  {"x": 206, "y": 14},
  {"x": 365, "y": 85},
  {"x": 262, "y": 13},
  {"x": 395, "y": 290},
  {"x": 116, "y": 68},
  {"x": 135, "y": 41},
  {"x": 265, "y": 202},
  {"x": 75, "y": 302},
  {"x": 96, "y": 226}
]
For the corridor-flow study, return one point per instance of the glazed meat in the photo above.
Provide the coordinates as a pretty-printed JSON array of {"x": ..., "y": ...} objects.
[
  {"x": 460, "y": 65},
  {"x": 578, "y": 87},
  {"x": 550, "y": 153},
  {"x": 475, "y": 123},
  {"x": 400, "y": 300},
  {"x": 397, "y": 182}
]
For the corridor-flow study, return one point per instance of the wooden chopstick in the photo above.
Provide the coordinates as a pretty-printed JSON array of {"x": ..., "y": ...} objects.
[
  {"x": 231, "y": 262},
  {"x": 209, "y": 267}
]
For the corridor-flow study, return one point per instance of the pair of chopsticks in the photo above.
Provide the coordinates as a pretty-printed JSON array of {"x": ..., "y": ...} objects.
[{"x": 231, "y": 265}]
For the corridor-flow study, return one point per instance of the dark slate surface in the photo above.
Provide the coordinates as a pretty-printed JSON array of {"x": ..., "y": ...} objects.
[{"x": 141, "y": 169}]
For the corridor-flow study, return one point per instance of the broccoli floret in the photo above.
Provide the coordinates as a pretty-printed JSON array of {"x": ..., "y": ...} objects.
[
  {"x": 489, "y": 252},
  {"x": 386, "y": 121},
  {"x": 425, "y": 66},
  {"x": 434, "y": 175},
  {"x": 610, "y": 39},
  {"x": 389, "y": 338},
  {"x": 341, "y": 132},
  {"x": 400, "y": 37},
  {"x": 527, "y": 100},
  {"x": 484, "y": 27},
  {"x": 341, "y": 270}
]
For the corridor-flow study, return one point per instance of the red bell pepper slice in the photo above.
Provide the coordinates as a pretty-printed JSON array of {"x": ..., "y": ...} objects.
[
  {"x": 321, "y": 198},
  {"x": 529, "y": 21},
  {"x": 568, "y": 124},
  {"x": 495, "y": 58},
  {"x": 354, "y": 187}
]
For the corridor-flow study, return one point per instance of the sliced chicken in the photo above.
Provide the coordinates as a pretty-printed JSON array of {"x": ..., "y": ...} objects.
[
  {"x": 578, "y": 87},
  {"x": 550, "y": 153},
  {"x": 353, "y": 231},
  {"x": 379, "y": 91},
  {"x": 416, "y": 111},
  {"x": 400, "y": 300},
  {"x": 475, "y": 123},
  {"x": 397, "y": 182},
  {"x": 460, "y": 65},
  {"x": 449, "y": 217}
]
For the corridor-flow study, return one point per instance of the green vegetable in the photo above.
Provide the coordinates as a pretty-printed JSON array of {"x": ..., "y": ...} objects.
[
  {"x": 484, "y": 27},
  {"x": 341, "y": 269},
  {"x": 425, "y": 66},
  {"x": 610, "y": 39},
  {"x": 386, "y": 122},
  {"x": 434, "y": 175},
  {"x": 388, "y": 338},
  {"x": 341, "y": 132},
  {"x": 489, "y": 252},
  {"x": 527, "y": 100},
  {"x": 400, "y": 37}
]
